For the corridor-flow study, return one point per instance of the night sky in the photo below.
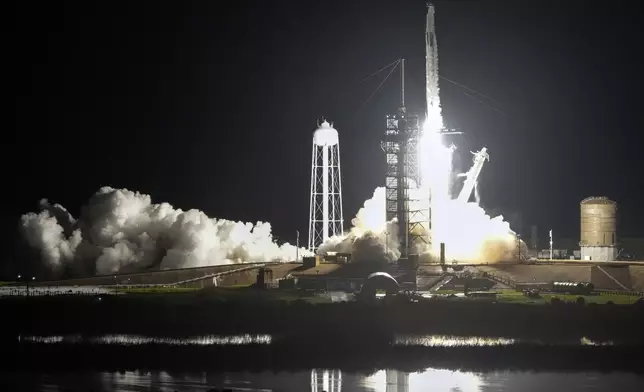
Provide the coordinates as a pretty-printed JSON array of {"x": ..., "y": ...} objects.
[{"x": 213, "y": 106}]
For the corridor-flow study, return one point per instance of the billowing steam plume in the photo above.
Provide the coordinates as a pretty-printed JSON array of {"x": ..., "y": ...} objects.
[
  {"x": 470, "y": 235},
  {"x": 371, "y": 238},
  {"x": 120, "y": 229}
]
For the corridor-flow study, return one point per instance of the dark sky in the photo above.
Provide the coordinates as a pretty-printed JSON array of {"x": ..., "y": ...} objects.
[{"x": 213, "y": 106}]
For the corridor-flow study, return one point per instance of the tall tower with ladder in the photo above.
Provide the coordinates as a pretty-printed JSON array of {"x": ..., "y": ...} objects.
[
  {"x": 325, "y": 208},
  {"x": 400, "y": 145},
  {"x": 407, "y": 199}
]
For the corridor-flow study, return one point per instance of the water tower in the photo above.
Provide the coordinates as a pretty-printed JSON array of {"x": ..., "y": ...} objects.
[{"x": 325, "y": 209}]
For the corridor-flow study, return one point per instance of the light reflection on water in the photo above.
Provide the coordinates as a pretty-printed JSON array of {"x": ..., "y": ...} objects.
[
  {"x": 450, "y": 341},
  {"x": 587, "y": 342},
  {"x": 135, "y": 340},
  {"x": 329, "y": 380},
  {"x": 236, "y": 340},
  {"x": 426, "y": 380},
  {"x": 477, "y": 341}
]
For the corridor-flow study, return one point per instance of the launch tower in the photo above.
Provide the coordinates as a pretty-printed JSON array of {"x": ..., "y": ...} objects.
[
  {"x": 403, "y": 180},
  {"x": 400, "y": 145},
  {"x": 325, "y": 209}
]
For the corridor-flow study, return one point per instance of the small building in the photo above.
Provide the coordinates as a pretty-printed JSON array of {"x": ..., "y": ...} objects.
[
  {"x": 330, "y": 277},
  {"x": 287, "y": 283},
  {"x": 311, "y": 261},
  {"x": 265, "y": 278}
]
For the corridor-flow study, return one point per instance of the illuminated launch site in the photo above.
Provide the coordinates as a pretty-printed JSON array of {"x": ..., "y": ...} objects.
[
  {"x": 412, "y": 220},
  {"x": 420, "y": 212}
]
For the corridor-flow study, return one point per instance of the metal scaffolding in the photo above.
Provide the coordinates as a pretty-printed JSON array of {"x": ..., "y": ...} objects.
[{"x": 400, "y": 145}]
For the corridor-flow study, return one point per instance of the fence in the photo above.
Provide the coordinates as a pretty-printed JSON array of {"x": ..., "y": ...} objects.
[
  {"x": 501, "y": 279},
  {"x": 22, "y": 291},
  {"x": 620, "y": 292}
]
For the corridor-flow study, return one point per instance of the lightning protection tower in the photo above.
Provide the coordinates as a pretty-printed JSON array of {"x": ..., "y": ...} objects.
[{"x": 325, "y": 210}]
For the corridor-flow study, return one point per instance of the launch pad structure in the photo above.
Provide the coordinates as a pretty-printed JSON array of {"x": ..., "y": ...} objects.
[{"x": 400, "y": 144}]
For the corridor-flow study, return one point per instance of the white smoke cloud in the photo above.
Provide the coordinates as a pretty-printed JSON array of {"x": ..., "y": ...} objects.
[
  {"x": 469, "y": 233},
  {"x": 43, "y": 232},
  {"x": 371, "y": 238},
  {"x": 119, "y": 228}
]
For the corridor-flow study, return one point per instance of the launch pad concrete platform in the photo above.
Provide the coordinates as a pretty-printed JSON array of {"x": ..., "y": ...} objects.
[
  {"x": 229, "y": 274},
  {"x": 603, "y": 277}
]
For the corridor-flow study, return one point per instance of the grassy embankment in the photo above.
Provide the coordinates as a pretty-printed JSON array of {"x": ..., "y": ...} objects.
[
  {"x": 518, "y": 297},
  {"x": 244, "y": 292},
  {"x": 164, "y": 289},
  {"x": 154, "y": 290},
  {"x": 291, "y": 313},
  {"x": 513, "y": 296}
]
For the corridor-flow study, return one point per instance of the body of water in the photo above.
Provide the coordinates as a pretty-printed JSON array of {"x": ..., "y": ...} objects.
[
  {"x": 91, "y": 363},
  {"x": 318, "y": 380},
  {"x": 406, "y": 340}
]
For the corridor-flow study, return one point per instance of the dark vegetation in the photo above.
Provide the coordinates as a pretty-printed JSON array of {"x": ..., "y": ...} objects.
[{"x": 203, "y": 313}]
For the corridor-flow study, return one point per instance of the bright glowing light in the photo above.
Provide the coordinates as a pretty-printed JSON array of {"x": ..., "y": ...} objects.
[
  {"x": 326, "y": 380},
  {"x": 451, "y": 341},
  {"x": 472, "y": 235},
  {"x": 435, "y": 159},
  {"x": 372, "y": 216},
  {"x": 468, "y": 232},
  {"x": 427, "y": 380},
  {"x": 445, "y": 380}
]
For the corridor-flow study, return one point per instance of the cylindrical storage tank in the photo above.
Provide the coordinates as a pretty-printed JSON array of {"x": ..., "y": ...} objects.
[{"x": 598, "y": 222}]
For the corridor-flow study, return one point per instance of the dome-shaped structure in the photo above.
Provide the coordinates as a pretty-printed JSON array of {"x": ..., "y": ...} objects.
[
  {"x": 598, "y": 222},
  {"x": 379, "y": 281},
  {"x": 325, "y": 135}
]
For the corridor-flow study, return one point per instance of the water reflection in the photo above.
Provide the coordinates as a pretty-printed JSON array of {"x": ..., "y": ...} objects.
[
  {"x": 587, "y": 342},
  {"x": 450, "y": 341},
  {"x": 326, "y": 380},
  {"x": 246, "y": 339},
  {"x": 477, "y": 341},
  {"x": 427, "y": 380},
  {"x": 135, "y": 340},
  {"x": 329, "y": 380}
]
